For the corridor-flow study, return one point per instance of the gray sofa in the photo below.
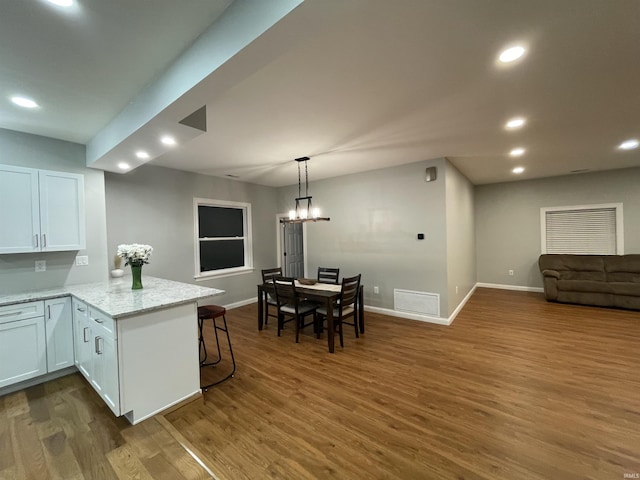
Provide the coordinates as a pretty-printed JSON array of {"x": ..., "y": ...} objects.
[{"x": 602, "y": 280}]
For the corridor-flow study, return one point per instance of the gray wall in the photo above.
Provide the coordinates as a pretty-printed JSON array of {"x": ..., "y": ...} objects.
[
  {"x": 17, "y": 270},
  {"x": 154, "y": 205},
  {"x": 375, "y": 219},
  {"x": 508, "y": 219},
  {"x": 461, "y": 254}
]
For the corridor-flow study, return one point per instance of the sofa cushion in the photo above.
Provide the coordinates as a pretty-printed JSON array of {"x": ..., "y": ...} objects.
[
  {"x": 625, "y": 268},
  {"x": 584, "y": 286},
  {"x": 576, "y": 263},
  {"x": 625, "y": 288},
  {"x": 583, "y": 276}
]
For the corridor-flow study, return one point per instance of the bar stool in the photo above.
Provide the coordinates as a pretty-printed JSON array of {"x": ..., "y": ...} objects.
[{"x": 214, "y": 312}]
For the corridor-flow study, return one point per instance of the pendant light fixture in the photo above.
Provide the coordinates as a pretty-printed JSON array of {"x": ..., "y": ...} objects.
[{"x": 304, "y": 210}]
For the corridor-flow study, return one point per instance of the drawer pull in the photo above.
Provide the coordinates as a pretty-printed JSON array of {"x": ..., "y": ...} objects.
[
  {"x": 97, "y": 320},
  {"x": 10, "y": 314},
  {"x": 80, "y": 309}
]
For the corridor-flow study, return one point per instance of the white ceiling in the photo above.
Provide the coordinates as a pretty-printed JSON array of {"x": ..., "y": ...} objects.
[{"x": 357, "y": 85}]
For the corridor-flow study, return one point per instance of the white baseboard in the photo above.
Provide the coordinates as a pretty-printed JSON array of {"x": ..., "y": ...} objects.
[
  {"x": 241, "y": 303},
  {"x": 37, "y": 380},
  {"x": 389, "y": 311},
  {"x": 510, "y": 287},
  {"x": 409, "y": 316}
]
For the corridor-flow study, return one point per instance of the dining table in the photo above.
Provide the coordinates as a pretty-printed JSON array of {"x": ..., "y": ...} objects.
[{"x": 323, "y": 293}]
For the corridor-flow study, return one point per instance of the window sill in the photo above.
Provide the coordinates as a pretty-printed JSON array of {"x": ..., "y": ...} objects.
[{"x": 226, "y": 273}]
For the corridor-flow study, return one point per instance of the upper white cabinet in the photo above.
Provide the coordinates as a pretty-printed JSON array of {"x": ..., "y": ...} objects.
[{"x": 41, "y": 210}]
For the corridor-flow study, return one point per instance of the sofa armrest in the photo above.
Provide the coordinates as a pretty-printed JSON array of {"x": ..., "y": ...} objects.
[{"x": 551, "y": 273}]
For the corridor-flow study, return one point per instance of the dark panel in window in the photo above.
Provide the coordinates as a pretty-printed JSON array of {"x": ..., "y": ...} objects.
[
  {"x": 220, "y": 222},
  {"x": 221, "y": 254}
]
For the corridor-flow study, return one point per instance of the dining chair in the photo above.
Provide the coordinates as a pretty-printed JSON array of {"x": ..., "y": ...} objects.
[
  {"x": 328, "y": 275},
  {"x": 268, "y": 274},
  {"x": 344, "y": 308},
  {"x": 289, "y": 305}
]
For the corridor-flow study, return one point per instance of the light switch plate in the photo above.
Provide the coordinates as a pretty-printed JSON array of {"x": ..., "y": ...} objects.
[
  {"x": 41, "y": 265},
  {"x": 82, "y": 260}
]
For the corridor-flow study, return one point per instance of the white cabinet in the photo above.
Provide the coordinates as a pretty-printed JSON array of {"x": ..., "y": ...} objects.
[
  {"x": 104, "y": 377},
  {"x": 41, "y": 210},
  {"x": 59, "y": 330},
  {"x": 96, "y": 350},
  {"x": 82, "y": 338},
  {"x": 22, "y": 342}
]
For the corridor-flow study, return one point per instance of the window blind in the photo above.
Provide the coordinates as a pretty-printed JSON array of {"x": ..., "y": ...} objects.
[{"x": 582, "y": 231}]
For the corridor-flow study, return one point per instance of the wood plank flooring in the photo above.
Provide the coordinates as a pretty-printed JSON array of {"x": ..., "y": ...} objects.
[{"x": 515, "y": 388}]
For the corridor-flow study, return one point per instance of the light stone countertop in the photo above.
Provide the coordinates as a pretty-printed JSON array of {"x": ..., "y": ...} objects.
[{"x": 116, "y": 299}]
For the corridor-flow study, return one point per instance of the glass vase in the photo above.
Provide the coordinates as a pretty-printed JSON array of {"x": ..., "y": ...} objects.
[{"x": 136, "y": 275}]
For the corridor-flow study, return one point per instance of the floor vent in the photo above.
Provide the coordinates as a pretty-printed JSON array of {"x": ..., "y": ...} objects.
[{"x": 422, "y": 303}]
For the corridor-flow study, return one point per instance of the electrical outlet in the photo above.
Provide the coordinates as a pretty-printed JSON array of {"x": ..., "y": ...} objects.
[
  {"x": 511, "y": 273},
  {"x": 82, "y": 260},
  {"x": 376, "y": 289},
  {"x": 41, "y": 265}
]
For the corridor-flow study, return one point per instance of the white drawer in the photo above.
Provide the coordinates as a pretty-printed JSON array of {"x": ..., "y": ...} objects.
[
  {"x": 79, "y": 308},
  {"x": 105, "y": 322},
  {"x": 21, "y": 311}
]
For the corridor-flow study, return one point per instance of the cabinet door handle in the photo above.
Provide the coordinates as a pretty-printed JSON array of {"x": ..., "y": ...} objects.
[
  {"x": 44, "y": 240},
  {"x": 84, "y": 334},
  {"x": 49, "y": 312},
  {"x": 98, "y": 349},
  {"x": 36, "y": 238}
]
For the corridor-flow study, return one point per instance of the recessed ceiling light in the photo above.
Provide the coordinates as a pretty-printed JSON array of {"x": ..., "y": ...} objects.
[
  {"x": 124, "y": 166},
  {"x": 61, "y": 3},
  {"x": 517, "y": 152},
  {"x": 515, "y": 123},
  {"x": 512, "y": 54},
  {"x": 142, "y": 155},
  {"x": 167, "y": 140},
  {"x": 518, "y": 170},
  {"x": 24, "y": 102},
  {"x": 629, "y": 144}
]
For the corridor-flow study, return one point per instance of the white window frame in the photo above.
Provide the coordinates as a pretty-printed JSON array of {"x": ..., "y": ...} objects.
[
  {"x": 248, "y": 238},
  {"x": 619, "y": 222}
]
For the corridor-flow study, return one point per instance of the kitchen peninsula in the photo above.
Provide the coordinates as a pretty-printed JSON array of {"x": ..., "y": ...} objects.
[{"x": 137, "y": 348}]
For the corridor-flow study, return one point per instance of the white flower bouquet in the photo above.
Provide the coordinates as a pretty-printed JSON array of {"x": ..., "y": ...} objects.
[{"x": 135, "y": 254}]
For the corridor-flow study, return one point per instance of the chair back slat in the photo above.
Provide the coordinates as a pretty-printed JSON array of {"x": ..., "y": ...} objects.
[
  {"x": 349, "y": 292},
  {"x": 269, "y": 274},
  {"x": 285, "y": 290},
  {"x": 328, "y": 275}
]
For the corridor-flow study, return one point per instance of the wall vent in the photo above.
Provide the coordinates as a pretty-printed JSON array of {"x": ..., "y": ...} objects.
[{"x": 421, "y": 303}]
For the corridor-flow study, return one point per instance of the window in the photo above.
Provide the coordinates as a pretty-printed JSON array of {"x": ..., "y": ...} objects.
[
  {"x": 585, "y": 229},
  {"x": 223, "y": 237}
]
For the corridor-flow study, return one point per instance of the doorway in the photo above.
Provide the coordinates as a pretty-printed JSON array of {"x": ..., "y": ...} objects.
[{"x": 292, "y": 248}]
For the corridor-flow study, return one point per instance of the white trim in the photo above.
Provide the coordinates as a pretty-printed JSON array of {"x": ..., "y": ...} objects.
[
  {"x": 247, "y": 237},
  {"x": 14, "y": 387},
  {"x": 619, "y": 222},
  {"x": 228, "y": 272},
  {"x": 391, "y": 312},
  {"x": 241, "y": 303},
  {"x": 464, "y": 301},
  {"x": 409, "y": 316},
  {"x": 280, "y": 241},
  {"x": 510, "y": 287}
]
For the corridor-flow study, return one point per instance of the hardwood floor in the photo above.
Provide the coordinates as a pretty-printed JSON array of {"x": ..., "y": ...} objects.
[{"x": 514, "y": 388}]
